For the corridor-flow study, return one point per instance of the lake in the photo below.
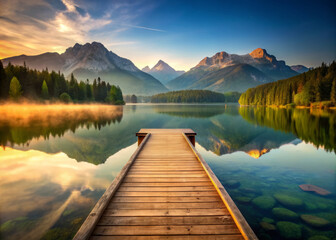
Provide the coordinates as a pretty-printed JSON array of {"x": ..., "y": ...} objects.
[{"x": 56, "y": 163}]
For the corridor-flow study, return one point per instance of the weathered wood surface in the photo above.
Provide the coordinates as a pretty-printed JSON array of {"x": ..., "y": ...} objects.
[{"x": 166, "y": 191}]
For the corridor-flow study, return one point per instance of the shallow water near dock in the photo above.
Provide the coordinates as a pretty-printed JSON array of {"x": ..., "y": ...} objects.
[{"x": 56, "y": 164}]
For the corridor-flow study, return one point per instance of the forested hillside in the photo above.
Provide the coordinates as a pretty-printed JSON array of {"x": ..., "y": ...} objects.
[
  {"x": 20, "y": 82},
  {"x": 315, "y": 87},
  {"x": 195, "y": 96}
]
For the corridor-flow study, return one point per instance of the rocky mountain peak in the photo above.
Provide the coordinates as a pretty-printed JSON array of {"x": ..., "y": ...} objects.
[
  {"x": 261, "y": 53},
  {"x": 219, "y": 58},
  {"x": 162, "y": 66},
  {"x": 145, "y": 69}
]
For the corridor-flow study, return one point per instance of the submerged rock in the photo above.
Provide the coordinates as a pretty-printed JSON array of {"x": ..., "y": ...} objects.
[
  {"x": 250, "y": 190},
  {"x": 311, "y": 206},
  {"x": 232, "y": 184},
  {"x": 268, "y": 220},
  {"x": 243, "y": 199},
  {"x": 289, "y": 230},
  {"x": 315, "y": 189},
  {"x": 267, "y": 226},
  {"x": 315, "y": 221},
  {"x": 284, "y": 214},
  {"x": 264, "y": 202},
  {"x": 288, "y": 201}
]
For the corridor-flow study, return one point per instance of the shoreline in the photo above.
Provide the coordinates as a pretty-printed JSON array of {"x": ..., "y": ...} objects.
[{"x": 298, "y": 107}]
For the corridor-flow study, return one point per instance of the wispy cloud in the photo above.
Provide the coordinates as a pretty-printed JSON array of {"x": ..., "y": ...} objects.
[{"x": 146, "y": 28}]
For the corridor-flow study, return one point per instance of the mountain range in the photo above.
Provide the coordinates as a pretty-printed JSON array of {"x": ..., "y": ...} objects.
[
  {"x": 222, "y": 72},
  {"x": 226, "y": 72},
  {"x": 163, "y": 72},
  {"x": 93, "y": 60}
]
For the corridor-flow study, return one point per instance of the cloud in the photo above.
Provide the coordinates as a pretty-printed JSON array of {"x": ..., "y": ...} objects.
[
  {"x": 146, "y": 28},
  {"x": 24, "y": 29}
]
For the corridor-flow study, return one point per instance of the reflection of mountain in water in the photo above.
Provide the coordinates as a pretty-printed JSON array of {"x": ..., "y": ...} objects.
[
  {"x": 224, "y": 131},
  {"x": 314, "y": 126},
  {"x": 220, "y": 129}
]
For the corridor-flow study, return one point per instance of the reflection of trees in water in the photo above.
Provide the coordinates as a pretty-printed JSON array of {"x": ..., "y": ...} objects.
[
  {"x": 26, "y": 123},
  {"x": 195, "y": 111},
  {"x": 314, "y": 126}
]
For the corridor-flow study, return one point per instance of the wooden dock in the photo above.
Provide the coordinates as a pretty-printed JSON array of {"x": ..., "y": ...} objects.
[{"x": 165, "y": 191}]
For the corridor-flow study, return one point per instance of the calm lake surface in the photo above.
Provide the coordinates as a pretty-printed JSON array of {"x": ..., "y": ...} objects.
[{"x": 54, "y": 166}]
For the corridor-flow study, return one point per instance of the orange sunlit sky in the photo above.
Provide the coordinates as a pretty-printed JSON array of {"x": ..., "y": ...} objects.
[{"x": 179, "y": 32}]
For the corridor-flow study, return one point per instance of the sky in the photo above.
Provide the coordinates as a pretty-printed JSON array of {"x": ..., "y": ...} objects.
[{"x": 180, "y": 32}]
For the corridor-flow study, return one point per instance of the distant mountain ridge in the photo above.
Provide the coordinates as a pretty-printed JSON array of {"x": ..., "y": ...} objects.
[
  {"x": 225, "y": 72},
  {"x": 300, "y": 68},
  {"x": 93, "y": 60},
  {"x": 163, "y": 72}
]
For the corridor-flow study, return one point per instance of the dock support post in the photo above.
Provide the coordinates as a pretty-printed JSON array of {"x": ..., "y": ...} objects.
[
  {"x": 141, "y": 137},
  {"x": 191, "y": 139}
]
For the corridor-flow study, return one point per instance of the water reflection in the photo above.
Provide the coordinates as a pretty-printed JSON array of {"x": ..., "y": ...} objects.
[
  {"x": 315, "y": 126},
  {"x": 40, "y": 191},
  {"x": 21, "y": 123},
  {"x": 57, "y": 162}
]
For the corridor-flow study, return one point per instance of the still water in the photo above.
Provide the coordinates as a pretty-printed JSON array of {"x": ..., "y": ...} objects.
[{"x": 55, "y": 164}]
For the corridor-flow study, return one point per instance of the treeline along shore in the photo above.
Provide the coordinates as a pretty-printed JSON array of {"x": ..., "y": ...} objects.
[
  {"x": 21, "y": 83},
  {"x": 195, "y": 96},
  {"x": 315, "y": 88}
]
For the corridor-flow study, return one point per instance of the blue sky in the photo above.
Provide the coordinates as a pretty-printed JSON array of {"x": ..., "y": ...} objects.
[{"x": 178, "y": 32}]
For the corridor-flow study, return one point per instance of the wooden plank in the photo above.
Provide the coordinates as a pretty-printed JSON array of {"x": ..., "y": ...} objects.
[
  {"x": 154, "y": 221},
  {"x": 166, "y": 179},
  {"x": 240, "y": 221},
  {"x": 153, "y": 175},
  {"x": 176, "y": 131},
  {"x": 163, "y": 168},
  {"x": 165, "y": 199},
  {"x": 167, "y": 189},
  {"x": 163, "y": 184},
  {"x": 172, "y": 237},
  {"x": 176, "y": 164},
  {"x": 167, "y": 161},
  {"x": 155, "y": 205},
  {"x": 166, "y": 212},
  {"x": 87, "y": 227},
  {"x": 166, "y": 194},
  {"x": 174, "y": 167},
  {"x": 166, "y": 230},
  {"x": 168, "y": 172}
]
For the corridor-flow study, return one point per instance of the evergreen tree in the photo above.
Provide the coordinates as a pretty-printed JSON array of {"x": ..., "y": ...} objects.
[
  {"x": 73, "y": 88},
  {"x": 82, "y": 91},
  {"x": 103, "y": 91},
  {"x": 44, "y": 90},
  {"x": 333, "y": 92},
  {"x": 15, "y": 90},
  {"x": 112, "y": 97},
  {"x": 95, "y": 90},
  {"x": 88, "y": 90},
  {"x": 3, "y": 82}
]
